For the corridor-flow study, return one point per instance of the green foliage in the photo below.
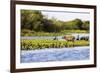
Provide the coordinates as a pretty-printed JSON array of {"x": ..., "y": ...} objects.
[
  {"x": 74, "y": 31},
  {"x": 31, "y": 19},
  {"x": 86, "y": 25},
  {"x": 48, "y": 26},
  {"x": 26, "y": 32},
  {"x": 42, "y": 44},
  {"x": 35, "y": 21},
  {"x": 58, "y": 25},
  {"x": 81, "y": 43},
  {"x": 74, "y": 24}
]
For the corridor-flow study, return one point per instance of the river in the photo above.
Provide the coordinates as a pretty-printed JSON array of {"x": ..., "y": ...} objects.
[
  {"x": 76, "y": 35},
  {"x": 55, "y": 54}
]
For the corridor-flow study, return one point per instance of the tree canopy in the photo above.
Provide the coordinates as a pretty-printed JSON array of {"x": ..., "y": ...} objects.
[{"x": 35, "y": 21}]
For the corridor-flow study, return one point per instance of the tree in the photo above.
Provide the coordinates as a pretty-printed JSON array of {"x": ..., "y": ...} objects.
[
  {"x": 31, "y": 19},
  {"x": 48, "y": 25},
  {"x": 58, "y": 25},
  {"x": 74, "y": 24},
  {"x": 86, "y": 25},
  {"x": 78, "y": 23}
]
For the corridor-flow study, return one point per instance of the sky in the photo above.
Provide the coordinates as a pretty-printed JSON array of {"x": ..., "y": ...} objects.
[{"x": 66, "y": 16}]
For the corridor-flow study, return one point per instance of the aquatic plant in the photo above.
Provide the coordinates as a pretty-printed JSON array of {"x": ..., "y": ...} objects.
[{"x": 42, "y": 44}]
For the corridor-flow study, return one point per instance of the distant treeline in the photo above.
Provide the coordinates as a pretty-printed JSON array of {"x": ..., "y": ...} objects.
[{"x": 35, "y": 21}]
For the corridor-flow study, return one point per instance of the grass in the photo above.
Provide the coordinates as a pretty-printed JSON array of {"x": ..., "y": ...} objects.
[
  {"x": 64, "y": 32},
  {"x": 42, "y": 44}
]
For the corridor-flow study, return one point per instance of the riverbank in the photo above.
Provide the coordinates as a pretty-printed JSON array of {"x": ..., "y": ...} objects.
[{"x": 62, "y": 33}]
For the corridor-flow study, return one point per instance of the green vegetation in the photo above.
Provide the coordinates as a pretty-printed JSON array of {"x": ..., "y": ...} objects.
[
  {"x": 34, "y": 23},
  {"x": 26, "y": 32},
  {"x": 42, "y": 44}
]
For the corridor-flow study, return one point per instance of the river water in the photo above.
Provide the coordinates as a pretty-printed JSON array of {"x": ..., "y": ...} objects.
[
  {"x": 55, "y": 54},
  {"x": 76, "y": 35}
]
